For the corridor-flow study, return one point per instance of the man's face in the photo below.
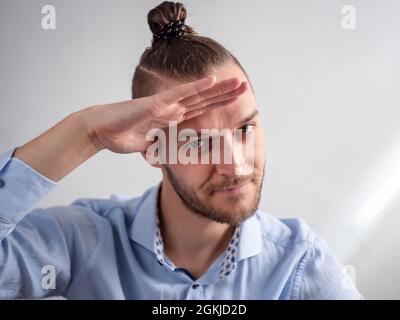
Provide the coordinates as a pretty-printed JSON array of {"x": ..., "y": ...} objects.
[{"x": 223, "y": 192}]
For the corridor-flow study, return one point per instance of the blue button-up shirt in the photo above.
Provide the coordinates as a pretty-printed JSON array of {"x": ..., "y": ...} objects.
[{"x": 107, "y": 249}]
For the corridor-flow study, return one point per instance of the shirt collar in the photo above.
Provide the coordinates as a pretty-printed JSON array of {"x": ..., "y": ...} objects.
[
  {"x": 144, "y": 226},
  {"x": 246, "y": 241}
]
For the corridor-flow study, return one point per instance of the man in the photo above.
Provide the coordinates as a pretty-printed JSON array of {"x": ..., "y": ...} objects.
[{"x": 197, "y": 235}]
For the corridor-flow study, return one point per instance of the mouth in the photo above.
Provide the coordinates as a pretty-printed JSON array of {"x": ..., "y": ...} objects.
[{"x": 233, "y": 190}]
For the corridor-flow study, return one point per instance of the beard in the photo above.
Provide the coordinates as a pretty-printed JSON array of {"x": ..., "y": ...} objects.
[{"x": 233, "y": 216}]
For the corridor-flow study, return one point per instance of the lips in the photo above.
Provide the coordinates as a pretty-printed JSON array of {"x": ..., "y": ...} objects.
[
  {"x": 233, "y": 189},
  {"x": 235, "y": 186}
]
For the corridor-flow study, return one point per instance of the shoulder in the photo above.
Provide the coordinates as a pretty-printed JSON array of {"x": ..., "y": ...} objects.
[
  {"x": 318, "y": 273},
  {"x": 285, "y": 232},
  {"x": 85, "y": 225},
  {"x": 99, "y": 212}
]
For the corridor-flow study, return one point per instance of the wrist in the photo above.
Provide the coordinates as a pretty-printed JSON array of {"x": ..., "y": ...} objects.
[{"x": 85, "y": 117}]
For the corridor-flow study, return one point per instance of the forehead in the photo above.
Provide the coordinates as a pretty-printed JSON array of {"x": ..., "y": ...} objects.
[{"x": 225, "y": 116}]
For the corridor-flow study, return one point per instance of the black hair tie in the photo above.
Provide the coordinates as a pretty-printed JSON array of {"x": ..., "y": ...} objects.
[{"x": 172, "y": 30}]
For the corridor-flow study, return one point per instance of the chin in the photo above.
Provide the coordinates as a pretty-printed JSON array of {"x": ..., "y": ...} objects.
[
  {"x": 235, "y": 211},
  {"x": 239, "y": 217}
]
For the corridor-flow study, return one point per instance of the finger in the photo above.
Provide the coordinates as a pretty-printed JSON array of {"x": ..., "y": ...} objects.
[
  {"x": 198, "y": 112},
  {"x": 218, "y": 89},
  {"x": 204, "y": 103},
  {"x": 187, "y": 89}
]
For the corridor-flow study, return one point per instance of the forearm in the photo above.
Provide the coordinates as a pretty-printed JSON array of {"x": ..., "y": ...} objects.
[{"x": 60, "y": 149}]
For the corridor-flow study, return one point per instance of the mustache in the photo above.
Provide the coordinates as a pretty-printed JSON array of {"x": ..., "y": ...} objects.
[{"x": 230, "y": 183}]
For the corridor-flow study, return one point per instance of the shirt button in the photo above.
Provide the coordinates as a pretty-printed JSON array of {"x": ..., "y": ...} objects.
[
  {"x": 2, "y": 183},
  {"x": 195, "y": 286}
]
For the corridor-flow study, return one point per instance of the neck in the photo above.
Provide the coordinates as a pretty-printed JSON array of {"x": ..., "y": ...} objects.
[{"x": 191, "y": 241}]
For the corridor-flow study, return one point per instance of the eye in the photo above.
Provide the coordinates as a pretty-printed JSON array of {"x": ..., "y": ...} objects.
[
  {"x": 247, "y": 128},
  {"x": 197, "y": 144}
]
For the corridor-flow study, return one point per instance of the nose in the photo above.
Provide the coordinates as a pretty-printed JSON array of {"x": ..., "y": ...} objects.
[{"x": 235, "y": 157}]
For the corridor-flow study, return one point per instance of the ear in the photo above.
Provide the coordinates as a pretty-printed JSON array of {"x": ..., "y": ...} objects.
[{"x": 153, "y": 161}]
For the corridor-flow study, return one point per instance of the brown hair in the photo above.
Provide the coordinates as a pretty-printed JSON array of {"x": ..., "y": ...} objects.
[{"x": 186, "y": 58}]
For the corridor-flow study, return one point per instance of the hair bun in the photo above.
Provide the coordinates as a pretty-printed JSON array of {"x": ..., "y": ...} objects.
[{"x": 167, "y": 20}]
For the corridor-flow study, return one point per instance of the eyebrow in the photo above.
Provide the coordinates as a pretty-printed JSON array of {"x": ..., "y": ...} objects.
[
  {"x": 249, "y": 117},
  {"x": 246, "y": 119}
]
